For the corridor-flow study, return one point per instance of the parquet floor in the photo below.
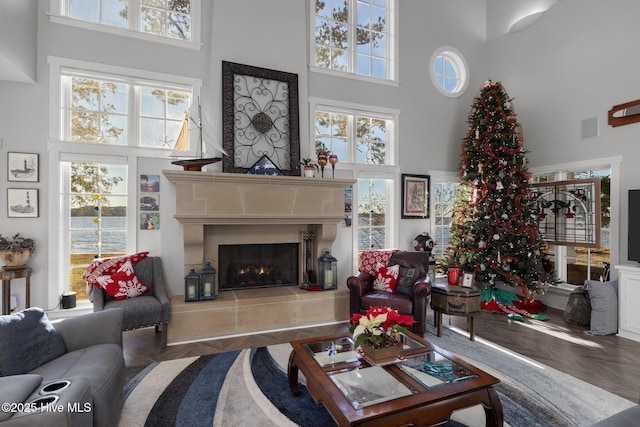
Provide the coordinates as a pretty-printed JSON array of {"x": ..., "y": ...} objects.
[{"x": 609, "y": 362}]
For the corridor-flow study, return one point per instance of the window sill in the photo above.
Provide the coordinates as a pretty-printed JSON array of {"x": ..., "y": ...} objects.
[
  {"x": 82, "y": 307},
  {"x": 394, "y": 83},
  {"x": 78, "y": 23}
]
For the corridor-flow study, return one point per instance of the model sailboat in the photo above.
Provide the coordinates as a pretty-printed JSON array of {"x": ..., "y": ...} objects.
[{"x": 193, "y": 161}]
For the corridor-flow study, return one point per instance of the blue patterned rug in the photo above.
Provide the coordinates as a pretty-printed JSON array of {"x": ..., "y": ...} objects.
[{"x": 247, "y": 387}]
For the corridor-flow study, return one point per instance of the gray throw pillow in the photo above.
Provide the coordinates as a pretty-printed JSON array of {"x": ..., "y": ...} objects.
[
  {"x": 27, "y": 340},
  {"x": 603, "y": 297}
]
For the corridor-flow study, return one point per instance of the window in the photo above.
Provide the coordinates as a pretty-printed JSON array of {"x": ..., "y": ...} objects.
[
  {"x": 171, "y": 20},
  {"x": 448, "y": 71},
  {"x": 95, "y": 221},
  {"x": 363, "y": 138},
  {"x": 373, "y": 221},
  {"x": 355, "y": 136},
  {"x": 355, "y": 36},
  {"x": 122, "y": 111},
  {"x": 444, "y": 194}
]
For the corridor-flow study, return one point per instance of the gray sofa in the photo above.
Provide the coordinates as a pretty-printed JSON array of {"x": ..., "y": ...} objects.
[{"x": 75, "y": 369}]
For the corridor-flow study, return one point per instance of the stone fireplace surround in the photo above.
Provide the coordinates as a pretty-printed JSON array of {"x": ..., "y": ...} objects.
[{"x": 225, "y": 208}]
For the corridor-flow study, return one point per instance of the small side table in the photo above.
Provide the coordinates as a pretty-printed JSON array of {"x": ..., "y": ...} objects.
[
  {"x": 456, "y": 301},
  {"x": 7, "y": 276}
]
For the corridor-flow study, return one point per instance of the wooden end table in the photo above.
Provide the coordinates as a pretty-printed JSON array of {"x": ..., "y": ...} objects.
[
  {"x": 7, "y": 276},
  {"x": 455, "y": 301},
  {"x": 422, "y": 387}
]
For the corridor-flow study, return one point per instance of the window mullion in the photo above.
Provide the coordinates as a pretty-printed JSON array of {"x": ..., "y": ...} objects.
[
  {"x": 134, "y": 15},
  {"x": 352, "y": 46},
  {"x": 133, "y": 117}
]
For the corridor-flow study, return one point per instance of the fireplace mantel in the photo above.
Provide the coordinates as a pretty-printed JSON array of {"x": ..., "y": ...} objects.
[{"x": 229, "y": 198}]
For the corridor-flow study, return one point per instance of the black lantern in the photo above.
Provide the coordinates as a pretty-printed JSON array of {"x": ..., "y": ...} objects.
[
  {"x": 207, "y": 282},
  {"x": 191, "y": 286},
  {"x": 327, "y": 271}
]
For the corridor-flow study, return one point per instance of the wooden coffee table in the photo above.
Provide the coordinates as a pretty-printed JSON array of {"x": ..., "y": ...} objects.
[{"x": 422, "y": 387}]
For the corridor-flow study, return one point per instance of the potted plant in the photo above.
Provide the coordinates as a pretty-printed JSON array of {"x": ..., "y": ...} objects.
[
  {"x": 309, "y": 167},
  {"x": 377, "y": 332},
  {"x": 15, "y": 251}
]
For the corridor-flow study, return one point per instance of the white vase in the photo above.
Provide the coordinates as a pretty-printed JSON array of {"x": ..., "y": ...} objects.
[{"x": 309, "y": 172}]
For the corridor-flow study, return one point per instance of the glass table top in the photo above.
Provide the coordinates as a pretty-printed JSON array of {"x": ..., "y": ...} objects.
[{"x": 364, "y": 384}]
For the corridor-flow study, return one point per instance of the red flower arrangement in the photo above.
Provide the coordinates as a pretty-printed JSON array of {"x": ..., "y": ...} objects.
[{"x": 379, "y": 327}]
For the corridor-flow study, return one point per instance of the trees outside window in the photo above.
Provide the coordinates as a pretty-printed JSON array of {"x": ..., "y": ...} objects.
[
  {"x": 354, "y": 36},
  {"x": 99, "y": 110},
  {"x": 171, "y": 19}
]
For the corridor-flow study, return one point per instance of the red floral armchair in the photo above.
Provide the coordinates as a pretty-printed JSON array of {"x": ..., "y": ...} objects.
[{"x": 373, "y": 284}]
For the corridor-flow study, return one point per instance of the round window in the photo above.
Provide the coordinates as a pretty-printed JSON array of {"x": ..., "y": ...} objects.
[{"x": 449, "y": 71}]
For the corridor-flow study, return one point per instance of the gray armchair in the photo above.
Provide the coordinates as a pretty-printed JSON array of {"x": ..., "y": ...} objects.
[{"x": 150, "y": 309}]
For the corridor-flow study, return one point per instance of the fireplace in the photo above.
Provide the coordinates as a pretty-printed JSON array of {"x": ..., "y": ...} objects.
[
  {"x": 250, "y": 266},
  {"x": 220, "y": 209}
]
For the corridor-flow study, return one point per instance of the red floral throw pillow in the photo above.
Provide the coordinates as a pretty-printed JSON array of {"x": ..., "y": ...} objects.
[
  {"x": 108, "y": 266},
  {"x": 369, "y": 260},
  {"x": 386, "y": 278},
  {"x": 123, "y": 283}
]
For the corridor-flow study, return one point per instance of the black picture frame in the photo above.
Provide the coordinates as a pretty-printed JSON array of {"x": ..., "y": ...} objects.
[
  {"x": 415, "y": 196},
  {"x": 23, "y": 167},
  {"x": 260, "y": 116},
  {"x": 22, "y": 203}
]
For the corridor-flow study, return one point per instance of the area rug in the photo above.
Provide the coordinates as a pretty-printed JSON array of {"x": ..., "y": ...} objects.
[{"x": 250, "y": 387}]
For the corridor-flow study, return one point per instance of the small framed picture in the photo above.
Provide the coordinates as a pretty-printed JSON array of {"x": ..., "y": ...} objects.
[
  {"x": 415, "y": 196},
  {"x": 22, "y": 203},
  {"x": 467, "y": 280},
  {"x": 22, "y": 167}
]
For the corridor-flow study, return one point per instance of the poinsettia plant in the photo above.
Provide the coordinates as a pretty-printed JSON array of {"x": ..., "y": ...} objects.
[{"x": 379, "y": 327}]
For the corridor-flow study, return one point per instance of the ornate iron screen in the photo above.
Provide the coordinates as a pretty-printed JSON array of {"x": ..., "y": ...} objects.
[
  {"x": 569, "y": 212},
  {"x": 259, "y": 117}
]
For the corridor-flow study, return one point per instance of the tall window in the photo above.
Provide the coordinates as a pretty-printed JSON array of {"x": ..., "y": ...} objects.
[
  {"x": 363, "y": 139},
  {"x": 166, "y": 18},
  {"x": 444, "y": 195},
  {"x": 122, "y": 111},
  {"x": 373, "y": 221},
  {"x": 95, "y": 221},
  {"x": 355, "y": 36}
]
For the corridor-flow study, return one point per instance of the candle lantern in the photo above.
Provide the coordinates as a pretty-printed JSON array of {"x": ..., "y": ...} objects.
[
  {"x": 327, "y": 271},
  {"x": 191, "y": 286},
  {"x": 207, "y": 282}
]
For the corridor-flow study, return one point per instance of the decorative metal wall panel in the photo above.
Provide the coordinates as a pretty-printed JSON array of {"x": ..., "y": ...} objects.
[
  {"x": 569, "y": 212},
  {"x": 260, "y": 117}
]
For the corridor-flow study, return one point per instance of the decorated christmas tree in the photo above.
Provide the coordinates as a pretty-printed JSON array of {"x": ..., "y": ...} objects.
[{"x": 494, "y": 230}]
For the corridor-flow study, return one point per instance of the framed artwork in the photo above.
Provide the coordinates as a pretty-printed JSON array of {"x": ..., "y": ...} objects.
[
  {"x": 22, "y": 167},
  {"x": 467, "y": 280},
  {"x": 150, "y": 183},
  {"x": 415, "y": 196},
  {"x": 149, "y": 201},
  {"x": 22, "y": 203},
  {"x": 149, "y": 221},
  {"x": 259, "y": 117}
]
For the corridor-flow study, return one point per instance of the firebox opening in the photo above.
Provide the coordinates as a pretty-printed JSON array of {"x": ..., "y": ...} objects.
[{"x": 258, "y": 265}]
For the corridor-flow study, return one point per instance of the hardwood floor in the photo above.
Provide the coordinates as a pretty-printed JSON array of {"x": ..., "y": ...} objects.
[{"x": 609, "y": 362}]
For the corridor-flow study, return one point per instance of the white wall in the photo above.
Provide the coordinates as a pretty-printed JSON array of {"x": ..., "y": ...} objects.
[{"x": 574, "y": 63}]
